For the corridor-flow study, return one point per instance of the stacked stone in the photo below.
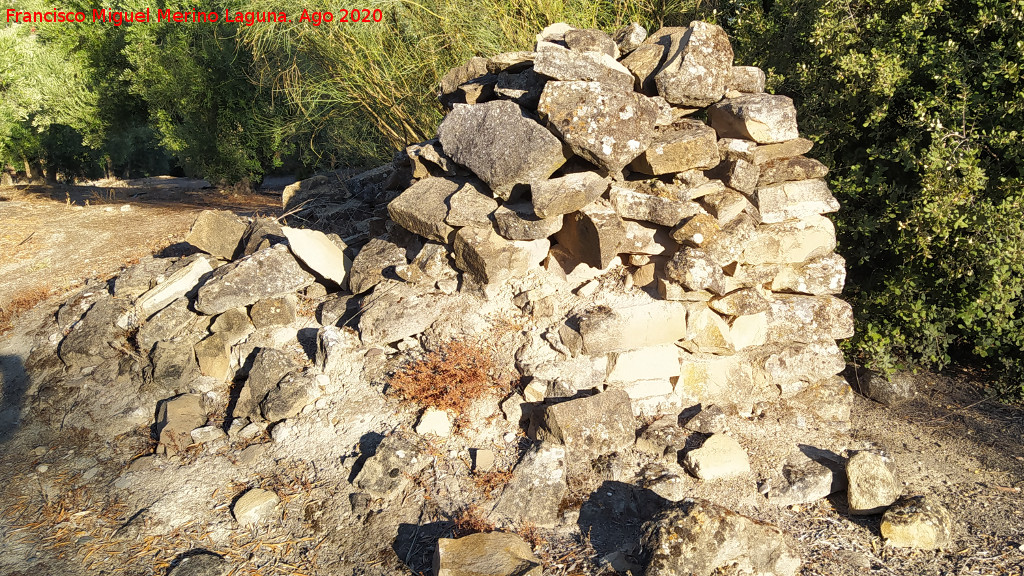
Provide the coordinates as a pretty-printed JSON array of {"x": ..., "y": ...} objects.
[{"x": 591, "y": 150}]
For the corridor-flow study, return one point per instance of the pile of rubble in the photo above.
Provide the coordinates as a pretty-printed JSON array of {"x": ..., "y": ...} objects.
[{"x": 655, "y": 278}]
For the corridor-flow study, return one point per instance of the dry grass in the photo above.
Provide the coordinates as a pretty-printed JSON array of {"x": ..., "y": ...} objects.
[
  {"x": 23, "y": 300},
  {"x": 450, "y": 378},
  {"x": 488, "y": 482},
  {"x": 471, "y": 520}
]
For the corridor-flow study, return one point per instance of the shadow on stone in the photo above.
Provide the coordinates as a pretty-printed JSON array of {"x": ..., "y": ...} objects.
[
  {"x": 367, "y": 447},
  {"x": 15, "y": 382},
  {"x": 614, "y": 516},
  {"x": 415, "y": 545}
]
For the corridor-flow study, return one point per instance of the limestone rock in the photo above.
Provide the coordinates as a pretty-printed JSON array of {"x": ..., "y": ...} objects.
[
  {"x": 435, "y": 422},
  {"x": 644, "y": 63},
  {"x": 887, "y": 389},
  {"x": 824, "y": 275},
  {"x": 566, "y": 194},
  {"x": 255, "y": 506},
  {"x": 266, "y": 274},
  {"x": 538, "y": 481},
  {"x": 662, "y": 438},
  {"x": 202, "y": 564},
  {"x": 398, "y": 458},
  {"x": 423, "y": 207},
  {"x": 428, "y": 159},
  {"x": 178, "y": 284},
  {"x": 291, "y": 394},
  {"x": 217, "y": 232},
  {"x": 586, "y": 40},
  {"x": 631, "y": 327},
  {"x": 799, "y": 318},
  {"x": 795, "y": 367},
  {"x": 738, "y": 174},
  {"x": 706, "y": 331},
  {"x": 279, "y": 311},
  {"x": 233, "y": 325},
  {"x": 763, "y": 118},
  {"x": 829, "y": 401},
  {"x": 632, "y": 203},
  {"x": 651, "y": 363},
  {"x": 97, "y": 336},
  {"x": 566, "y": 65},
  {"x": 470, "y": 205},
  {"x": 790, "y": 200},
  {"x": 808, "y": 479},
  {"x": 789, "y": 169},
  {"x": 607, "y": 126},
  {"x": 510, "y": 61},
  {"x": 214, "y": 356},
  {"x": 376, "y": 260},
  {"x": 501, "y": 145},
  {"x": 176, "y": 419},
  {"x": 523, "y": 88},
  {"x": 694, "y": 269},
  {"x": 590, "y": 427},
  {"x": 448, "y": 92},
  {"x": 399, "y": 310},
  {"x": 918, "y": 522},
  {"x": 699, "y": 538},
  {"x": 174, "y": 365},
  {"x": 268, "y": 368},
  {"x": 721, "y": 456},
  {"x": 791, "y": 242},
  {"x": 698, "y": 66},
  {"x": 748, "y": 79},
  {"x": 873, "y": 483},
  {"x": 485, "y": 554},
  {"x": 685, "y": 145},
  {"x": 740, "y": 303},
  {"x": 629, "y": 37},
  {"x": 488, "y": 258},
  {"x": 710, "y": 420},
  {"x": 517, "y": 221},
  {"x": 594, "y": 234}
]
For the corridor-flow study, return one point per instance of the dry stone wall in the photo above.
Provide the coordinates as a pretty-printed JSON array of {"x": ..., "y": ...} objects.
[{"x": 655, "y": 156}]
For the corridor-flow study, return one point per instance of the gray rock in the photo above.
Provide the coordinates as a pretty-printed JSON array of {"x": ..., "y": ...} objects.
[
  {"x": 174, "y": 366},
  {"x": 630, "y": 327},
  {"x": 749, "y": 79},
  {"x": 797, "y": 366},
  {"x": 706, "y": 331},
  {"x": 266, "y": 274},
  {"x": 710, "y": 420},
  {"x": 176, "y": 285},
  {"x": 594, "y": 235},
  {"x": 517, "y": 221},
  {"x": 686, "y": 145},
  {"x": 259, "y": 234},
  {"x": 740, "y": 303},
  {"x": 791, "y": 200},
  {"x": 488, "y": 258},
  {"x": 205, "y": 434},
  {"x": 97, "y": 336},
  {"x": 501, "y": 145},
  {"x": 217, "y": 232},
  {"x": 787, "y": 169},
  {"x": 279, "y": 311},
  {"x": 332, "y": 343},
  {"x": 873, "y": 483},
  {"x": 721, "y": 456},
  {"x": 432, "y": 264},
  {"x": 448, "y": 88},
  {"x": 203, "y": 564},
  {"x": 510, "y": 62},
  {"x": 629, "y": 37},
  {"x": 807, "y": 480},
  {"x": 799, "y": 318},
  {"x": 255, "y": 506},
  {"x": 268, "y": 368},
  {"x": 635, "y": 203},
  {"x": 422, "y": 208},
  {"x": 138, "y": 279},
  {"x": 738, "y": 174},
  {"x": 588, "y": 40},
  {"x": 695, "y": 270},
  {"x": 427, "y": 159},
  {"x": 824, "y": 275},
  {"x": 566, "y": 194},
  {"x": 829, "y": 401},
  {"x": 338, "y": 307},
  {"x": 698, "y": 66},
  {"x": 485, "y": 554},
  {"x": 609, "y": 127},
  {"x": 376, "y": 261},
  {"x": 535, "y": 492},
  {"x": 790, "y": 242},
  {"x": 644, "y": 62},
  {"x": 471, "y": 205},
  {"x": 175, "y": 321},
  {"x": 566, "y": 65},
  {"x": 763, "y": 118},
  {"x": 523, "y": 88},
  {"x": 918, "y": 522},
  {"x": 176, "y": 419},
  {"x": 764, "y": 153},
  {"x": 887, "y": 389},
  {"x": 233, "y": 325},
  {"x": 663, "y": 438},
  {"x": 214, "y": 356},
  {"x": 398, "y": 458},
  {"x": 397, "y": 310},
  {"x": 590, "y": 427},
  {"x": 699, "y": 538},
  {"x": 291, "y": 394}
]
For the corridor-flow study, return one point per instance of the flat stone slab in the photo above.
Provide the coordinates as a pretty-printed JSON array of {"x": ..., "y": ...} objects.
[{"x": 266, "y": 274}]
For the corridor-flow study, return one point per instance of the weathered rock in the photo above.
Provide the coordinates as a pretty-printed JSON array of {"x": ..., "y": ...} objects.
[
  {"x": 554, "y": 33},
  {"x": 434, "y": 422},
  {"x": 594, "y": 234},
  {"x": 698, "y": 66},
  {"x": 517, "y": 221},
  {"x": 808, "y": 479},
  {"x": 538, "y": 479},
  {"x": 259, "y": 234},
  {"x": 398, "y": 458},
  {"x": 713, "y": 379},
  {"x": 291, "y": 394},
  {"x": 607, "y": 126},
  {"x": 748, "y": 79},
  {"x": 174, "y": 365},
  {"x": 662, "y": 438},
  {"x": 279, "y": 311},
  {"x": 202, "y": 564},
  {"x": 233, "y": 325},
  {"x": 706, "y": 331},
  {"x": 918, "y": 522},
  {"x": 749, "y": 330},
  {"x": 255, "y": 506},
  {"x": 266, "y": 274},
  {"x": 738, "y": 174},
  {"x": 721, "y": 456},
  {"x": 873, "y": 482},
  {"x": 501, "y": 145},
  {"x": 523, "y": 88},
  {"x": 176, "y": 419},
  {"x": 631, "y": 327},
  {"x": 427, "y": 159},
  {"x": 319, "y": 253},
  {"x": 824, "y": 275},
  {"x": 651, "y": 363},
  {"x": 175, "y": 321},
  {"x": 178, "y": 284},
  {"x": 711, "y": 419},
  {"x": 486, "y": 554},
  {"x": 510, "y": 61},
  {"x": 799, "y": 318},
  {"x": 214, "y": 356},
  {"x": 470, "y": 205},
  {"x": 431, "y": 265},
  {"x": 698, "y": 231},
  {"x": 789, "y": 169},
  {"x": 790, "y": 200},
  {"x": 448, "y": 89},
  {"x": 887, "y": 389},
  {"x": 764, "y": 153},
  {"x": 829, "y": 401},
  {"x": 422, "y": 208},
  {"x": 685, "y": 145},
  {"x": 205, "y": 434},
  {"x": 644, "y": 63},
  {"x": 268, "y": 368},
  {"x": 694, "y": 269},
  {"x": 97, "y": 336},
  {"x": 299, "y": 193},
  {"x": 566, "y": 194},
  {"x": 489, "y": 258},
  {"x": 763, "y": 118},
  {"x": 140, "y": 278},
  {"x": 740, "y": 303},
  {"x": 217, "y": 232},
  {"x": 791, "y": 242},
  {"x": 375, "y": 262},
  {"x": 797, "y": 366},
  {"x": 566, "y": 65},
  {"x": 667, "y": 480},
  {"x": 644, "y": 239},
  {"x": 589, "y": 427},
  {"x": 588, "y": 40},
  {"x": 629, "y": 37},
  {"x": 398, "y": 310},
  {"x": 699, "y": 538}
]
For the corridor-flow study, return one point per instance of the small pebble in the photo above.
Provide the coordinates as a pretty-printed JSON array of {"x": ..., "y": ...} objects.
[
  {"x": 42, "y": 468},
  {"x": 510, "y": 437}
]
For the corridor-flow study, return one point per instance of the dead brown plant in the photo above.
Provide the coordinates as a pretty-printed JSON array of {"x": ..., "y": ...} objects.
[
  {"x": 23, "y": 300},
  {"x": 471, "y": 520},
  {"x": 449, "y": 378},
  {"x": 488, "y": 482}
]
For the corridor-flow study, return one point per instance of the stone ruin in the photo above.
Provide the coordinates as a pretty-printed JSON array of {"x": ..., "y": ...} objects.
[{"x": 628, "y": 222}]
